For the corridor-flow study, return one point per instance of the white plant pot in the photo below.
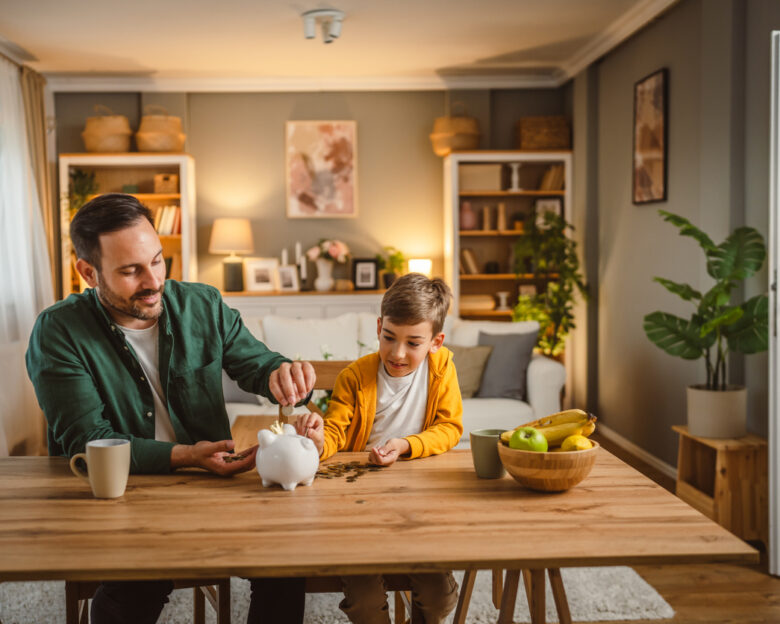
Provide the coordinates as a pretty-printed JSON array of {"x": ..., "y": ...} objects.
[
  {"x": 717, "y": 413},
  {"x": 324, "y": 280}
]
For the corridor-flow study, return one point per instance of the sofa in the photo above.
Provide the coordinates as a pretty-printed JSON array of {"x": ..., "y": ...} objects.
[{"x": 346, "y": 337}]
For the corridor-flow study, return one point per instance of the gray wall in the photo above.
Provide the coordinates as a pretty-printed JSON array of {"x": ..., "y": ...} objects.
[
  {"x": 718, "y": 178},
  {"x": 237, "y": 140}
]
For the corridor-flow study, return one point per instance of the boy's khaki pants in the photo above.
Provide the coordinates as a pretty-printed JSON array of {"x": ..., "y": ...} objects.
[{"x": 365, "y": 597}]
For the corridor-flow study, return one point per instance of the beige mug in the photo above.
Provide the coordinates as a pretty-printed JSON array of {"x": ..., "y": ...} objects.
[
  {"x": 484, "y": 452},
  {"x": 108, "y": 465}
]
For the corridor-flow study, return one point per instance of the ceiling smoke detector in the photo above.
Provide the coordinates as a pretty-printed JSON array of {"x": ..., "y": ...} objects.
[{"x": 329, "y": 19}]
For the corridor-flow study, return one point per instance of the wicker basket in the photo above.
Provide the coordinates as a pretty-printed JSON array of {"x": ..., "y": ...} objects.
[
  {"x": 159, "y": 133},
  {"x": 454, "y": 133},
  {"x": 106, "y": 132},
  {"x": 543, "y": 133}
]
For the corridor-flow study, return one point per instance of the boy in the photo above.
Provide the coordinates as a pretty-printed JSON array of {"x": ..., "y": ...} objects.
[{"x": 402, "y": 402}]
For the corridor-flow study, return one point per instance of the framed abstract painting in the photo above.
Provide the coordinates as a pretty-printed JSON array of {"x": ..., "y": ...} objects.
[
  {"x": 651, "y": 131},
  {"x": 321, "y": 169}
]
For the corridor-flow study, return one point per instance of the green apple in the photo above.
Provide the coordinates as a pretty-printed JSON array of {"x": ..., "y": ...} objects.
[{"x": 528, "y": 439}]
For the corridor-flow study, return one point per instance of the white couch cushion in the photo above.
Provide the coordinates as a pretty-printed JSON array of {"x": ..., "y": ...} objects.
[
  {"x": 492, "y": 414},
  {"x": 466, "y": 333},
  {"x": 367, "y": 338},
  {"x": 311, "y": 339}
]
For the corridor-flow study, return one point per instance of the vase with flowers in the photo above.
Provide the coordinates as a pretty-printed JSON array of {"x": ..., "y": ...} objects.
[{"x": 324, "y": 254}]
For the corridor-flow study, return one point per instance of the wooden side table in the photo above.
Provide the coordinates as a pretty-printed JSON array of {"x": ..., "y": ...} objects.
[{"x": 726, "y": 480}]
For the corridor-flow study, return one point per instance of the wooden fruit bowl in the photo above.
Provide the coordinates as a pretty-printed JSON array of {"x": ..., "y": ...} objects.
[{"x": 548, "y": 472}]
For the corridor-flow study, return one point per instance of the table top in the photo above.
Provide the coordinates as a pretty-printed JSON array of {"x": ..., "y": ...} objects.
[
  {"x": 748, "y": 442},
  {"x": 422, "y": 515}
]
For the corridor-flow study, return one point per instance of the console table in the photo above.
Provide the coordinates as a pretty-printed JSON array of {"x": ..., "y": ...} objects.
[{"x": 307, "y": 304}]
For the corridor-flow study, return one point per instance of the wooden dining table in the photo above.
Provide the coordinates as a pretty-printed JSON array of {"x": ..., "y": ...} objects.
[{"x": 429, "y": 514}]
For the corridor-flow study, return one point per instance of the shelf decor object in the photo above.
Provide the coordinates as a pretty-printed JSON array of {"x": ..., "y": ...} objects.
[{"x": 232, "y": 236}]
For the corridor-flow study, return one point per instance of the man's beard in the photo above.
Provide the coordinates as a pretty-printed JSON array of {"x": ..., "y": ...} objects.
[{"x": 129, "y": 307}]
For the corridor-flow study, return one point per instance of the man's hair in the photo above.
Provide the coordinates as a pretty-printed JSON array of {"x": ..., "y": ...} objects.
[
  {"x": 106, "y": 213},
  {"x": 414, "y": 298}
]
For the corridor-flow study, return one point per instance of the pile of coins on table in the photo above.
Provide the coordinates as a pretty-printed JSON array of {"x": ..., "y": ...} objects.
[{"x": 352, "y": 470}]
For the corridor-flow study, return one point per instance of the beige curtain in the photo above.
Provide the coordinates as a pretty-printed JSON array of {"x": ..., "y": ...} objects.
[{"x": 35, "y": 121}]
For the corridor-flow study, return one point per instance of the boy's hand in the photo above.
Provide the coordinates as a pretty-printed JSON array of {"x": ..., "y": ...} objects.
[
  {"x": 292, "y": 382},
  {"x": 311, "y": 426},
  {"x": 387, "y": 454}
]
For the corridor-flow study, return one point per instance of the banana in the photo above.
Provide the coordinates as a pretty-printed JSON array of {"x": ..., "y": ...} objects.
[
  {"x": 556, "y": 434},
  {"x": 560, "y": 418}
]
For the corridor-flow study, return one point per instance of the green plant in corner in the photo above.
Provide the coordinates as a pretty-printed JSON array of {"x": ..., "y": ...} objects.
[
  {"x": 551, "y": 255},
  {"x": 716, "y": 324},
  {"x": 82, "y": 185}
]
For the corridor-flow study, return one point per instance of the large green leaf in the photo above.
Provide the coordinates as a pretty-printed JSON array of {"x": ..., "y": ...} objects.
[
  {"x": 738, "y": 257},
  {"x": 682, "y": 290},
  {"x": 688, "y": 229},
  {"x": 715, "y": 298},
  {"x": 727, "y": 317},
  {"x": 750, "y": 334},
  {"x": 676, "y": 336}
]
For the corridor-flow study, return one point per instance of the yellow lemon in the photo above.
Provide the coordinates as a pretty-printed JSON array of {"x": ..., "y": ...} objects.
[{"x": 576, "y": 443}]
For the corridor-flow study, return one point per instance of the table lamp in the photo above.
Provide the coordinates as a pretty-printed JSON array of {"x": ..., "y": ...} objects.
[
  {"x": 421, "y": 265},
  {"x": 232, "y": 236}
]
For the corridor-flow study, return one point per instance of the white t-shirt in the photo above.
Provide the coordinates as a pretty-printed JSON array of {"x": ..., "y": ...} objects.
[
  {"x": 145, "y": 344},
  {"x": 400, "y": 404}
]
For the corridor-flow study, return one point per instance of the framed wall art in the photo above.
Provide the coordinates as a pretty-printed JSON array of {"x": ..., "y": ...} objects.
[
  {"x": 651, "y": 133},
  {"x": 321, "y": 169},
  {"x": 365, "y": 272},
  {"x": 260, "y": 274}
]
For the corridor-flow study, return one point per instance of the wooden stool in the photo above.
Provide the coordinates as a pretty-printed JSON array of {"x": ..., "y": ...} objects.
[{"x": 726, "y": 480}]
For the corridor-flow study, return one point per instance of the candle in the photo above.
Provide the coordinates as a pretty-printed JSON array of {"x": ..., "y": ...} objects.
[
  {"x": 303, "y": 268},
  {"x": 297, "y": 252},
  {"x": 284, "y": 257}
]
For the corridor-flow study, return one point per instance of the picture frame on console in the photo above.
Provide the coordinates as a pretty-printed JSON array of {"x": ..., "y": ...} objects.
[
  {"x": 651, "y": 132},
  {"x": 321, "y": 169},
  {"x": 365, "y": 273},
  {"x": 288, "y": 278},
  {"x": 261, "y": 274}
]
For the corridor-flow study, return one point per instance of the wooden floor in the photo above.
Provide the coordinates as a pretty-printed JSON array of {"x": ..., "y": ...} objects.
[{"x": 709, "y": 594}]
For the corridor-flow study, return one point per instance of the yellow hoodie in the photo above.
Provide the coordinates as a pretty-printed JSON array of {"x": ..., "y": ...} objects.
[{"x": 352, "y": 408}]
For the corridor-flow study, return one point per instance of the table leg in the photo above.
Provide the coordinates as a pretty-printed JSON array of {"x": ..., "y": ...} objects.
[
  {"x": 464, "y": 598},
  {"x": 509, "y": 597},
  {"x": 559, "y": 594},
  {"x": 536, "y": 598},
  {"x": 498, "y": 583}
]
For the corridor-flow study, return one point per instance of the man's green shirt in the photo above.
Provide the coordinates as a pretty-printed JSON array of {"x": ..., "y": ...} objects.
[{"x": 91, "y": 386}]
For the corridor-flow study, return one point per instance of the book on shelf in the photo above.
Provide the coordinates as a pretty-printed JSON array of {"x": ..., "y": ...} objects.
[
  {"x": 167, "y": 220},
  {"x": 469, "y": 261},
  {"x": 552, "y": 179}
]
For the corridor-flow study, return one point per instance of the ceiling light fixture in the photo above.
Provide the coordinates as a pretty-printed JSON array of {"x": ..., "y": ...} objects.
[{"x": 329, "y": 19}]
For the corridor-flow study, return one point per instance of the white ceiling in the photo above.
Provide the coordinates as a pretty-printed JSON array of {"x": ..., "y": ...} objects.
[{"x": 246, "y": 44}]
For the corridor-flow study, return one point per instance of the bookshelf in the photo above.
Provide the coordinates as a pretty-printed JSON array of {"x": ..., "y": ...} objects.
[
  {"x": 516, "y": 180},
  {"x": 174, "y": 212}
]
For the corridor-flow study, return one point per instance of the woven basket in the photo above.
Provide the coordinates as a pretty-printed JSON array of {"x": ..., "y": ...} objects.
[
  {"x": 106, "y": 132},
  {"x": 159, "y": 133},
  {"x": 454, "y": 133},
  {"x": 543, "y": 133}
]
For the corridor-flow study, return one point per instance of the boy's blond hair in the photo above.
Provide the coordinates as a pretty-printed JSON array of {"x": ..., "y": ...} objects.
[{"x": 414, "y": 298}]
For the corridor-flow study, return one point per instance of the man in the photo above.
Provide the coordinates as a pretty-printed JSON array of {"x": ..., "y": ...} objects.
[{"x": 139, "y": 358}]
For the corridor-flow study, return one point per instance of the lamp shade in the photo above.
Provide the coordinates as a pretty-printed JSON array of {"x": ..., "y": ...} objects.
[{"x": 231, "y": 236}]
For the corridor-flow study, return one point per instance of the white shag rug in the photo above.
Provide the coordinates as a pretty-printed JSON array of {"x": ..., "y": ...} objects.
[{"x": 595, "y": 595}]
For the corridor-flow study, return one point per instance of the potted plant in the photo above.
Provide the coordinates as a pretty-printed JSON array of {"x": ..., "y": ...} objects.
[
  {"x": 392, "y": 263},
  {"x": 716, "y": 327},
  {"x": 82, "y": 185},
  {"x": 551, "y": 255}
]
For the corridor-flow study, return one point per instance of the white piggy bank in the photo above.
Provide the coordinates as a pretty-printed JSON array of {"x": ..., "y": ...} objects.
[{"x": 287, "y": 459}]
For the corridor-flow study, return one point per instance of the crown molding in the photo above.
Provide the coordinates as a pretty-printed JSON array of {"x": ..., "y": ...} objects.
[
  {"x": 60, "y": 83},
  {"x": 15, "y": 52},
  {"x": 618, "y": 31}
]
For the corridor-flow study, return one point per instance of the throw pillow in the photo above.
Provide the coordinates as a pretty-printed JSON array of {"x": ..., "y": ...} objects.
[
  {"x": 469, "y": 365},
  {"x": 505, "y": 372}
]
